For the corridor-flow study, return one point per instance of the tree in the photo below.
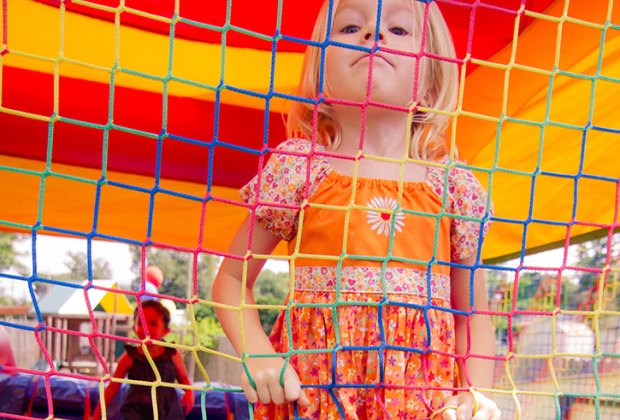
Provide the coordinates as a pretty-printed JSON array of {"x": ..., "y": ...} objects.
[
  {"x": 590, "y": 254},
  {"x": 8, "y": 254},
  {"x": 6, "y": 300},
  {"x": 178, "y": 273},
  {"x": 9, "y": 261},
  {"x": 270, "y": 289},
  {"x": 593, "y": 254},
  {"x": 529, "y": 282},
  {"x": 176, "y": 268},
  {"x": 77, "y": 264},
  {"x": 597, "y": 254}
]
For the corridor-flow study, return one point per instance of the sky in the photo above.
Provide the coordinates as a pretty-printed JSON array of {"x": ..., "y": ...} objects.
[{"x": 52, "y": 254}]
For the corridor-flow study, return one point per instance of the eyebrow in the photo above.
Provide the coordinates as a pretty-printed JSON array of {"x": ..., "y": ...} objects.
[
  {"x": 346, "y": 8},
  {"x": 392, "y": 9},
  {"x": 386, "y": 11}
]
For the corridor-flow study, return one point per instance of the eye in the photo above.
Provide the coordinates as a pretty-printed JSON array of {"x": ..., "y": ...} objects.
[
  {"x": 350, "y": 29},
  {"x": 397, "y": 30}
]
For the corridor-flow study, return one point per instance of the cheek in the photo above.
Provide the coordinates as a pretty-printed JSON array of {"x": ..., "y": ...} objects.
[
  {"x": 423, "y": 78},
  {"x": 138, "y": 330},
  {"x": 331, "y": 79},
  {"x": 335, "y": 63},
  {"x": 329, "y": 68}
]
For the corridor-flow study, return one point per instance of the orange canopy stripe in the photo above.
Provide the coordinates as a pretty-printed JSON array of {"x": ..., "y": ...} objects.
[{"x": 171, "y": 126}]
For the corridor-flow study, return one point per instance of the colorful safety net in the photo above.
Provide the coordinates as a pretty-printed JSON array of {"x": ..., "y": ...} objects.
[{"x": 136, "y": 122}]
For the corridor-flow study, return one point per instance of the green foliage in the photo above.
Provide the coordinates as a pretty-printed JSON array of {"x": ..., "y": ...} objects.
[
  {"x": 7, "y": 301},
  {"x": 268, "y": 316},
  {"x": 529, "y": 282},
  {"x": 593, "y": 254},
  {"x": 178, "y": 271},
  {"x": 569, "y": 289},
  {"x": 209, "y": 331},
  {"x": 538, "y": 290},
  {"x": 204, "y": 311},
  {"x": 270, "y": 289},
  {"x": 7, "y": 253},
  {"x": 270, "y": 283},
  {"x": 77, "y": 264},
  {"x": 9, "y": 261},
  {"x": 179, "y": 281}
]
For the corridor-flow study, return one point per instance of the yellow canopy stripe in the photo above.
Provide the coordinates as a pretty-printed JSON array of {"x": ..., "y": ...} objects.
[
  {"x": 74, "y": 45},
  {"x": 537, "y": 122},
  {"x": 541, "y": 122}
]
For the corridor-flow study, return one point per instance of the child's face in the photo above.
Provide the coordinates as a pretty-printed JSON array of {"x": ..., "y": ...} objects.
[
  {"x": 347, "y": 70},
  {"x": 155, "y": 324}
]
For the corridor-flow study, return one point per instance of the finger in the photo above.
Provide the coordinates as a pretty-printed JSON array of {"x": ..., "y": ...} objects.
[
  {"x": 483, "y": 413},
  {"x": 262, "y": 389},
  {"x": 488, "y": 413},
  {"x": 293, "y": 389},
  {"x": 303, "y": 400},
  {"x": 250, "y": 393},
  {"x": 453, "y": 400},
  {"x": 276, "y": 391},
  {"x": 292, "y": 385},
  {"x": 448, "y": 411},
  {"x": 484, "y": 408},
  {"x": 464, "y": 411},
  {"x": 449, "y": 414}
]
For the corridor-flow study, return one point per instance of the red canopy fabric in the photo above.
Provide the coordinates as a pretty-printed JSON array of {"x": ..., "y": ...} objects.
[{"x": 134, "y": 109}]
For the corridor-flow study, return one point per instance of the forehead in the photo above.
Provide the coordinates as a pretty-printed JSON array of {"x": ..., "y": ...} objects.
[
  {"x": 151, "y": 313},
  {"x": 371, "y": 6}
]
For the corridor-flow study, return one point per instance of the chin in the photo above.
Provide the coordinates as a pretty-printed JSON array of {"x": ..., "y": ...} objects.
[
  {"x": 377, "y": 95},
  {"x": 390, "y": 101}
]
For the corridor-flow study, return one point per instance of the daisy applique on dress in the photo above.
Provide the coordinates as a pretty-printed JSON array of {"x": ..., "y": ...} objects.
[{"x": 380, "y": 220}]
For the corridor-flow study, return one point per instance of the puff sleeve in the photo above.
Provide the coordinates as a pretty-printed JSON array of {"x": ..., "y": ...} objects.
[
  {"x": 278, "y": 191},
  {"x": 470, "y": 211}
]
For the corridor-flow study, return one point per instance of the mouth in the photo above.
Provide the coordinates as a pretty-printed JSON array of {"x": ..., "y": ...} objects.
[{"x": 375, "y": 57}]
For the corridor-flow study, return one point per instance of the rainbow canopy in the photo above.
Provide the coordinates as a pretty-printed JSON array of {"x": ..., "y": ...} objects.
[{"x": 138, "y": 120}]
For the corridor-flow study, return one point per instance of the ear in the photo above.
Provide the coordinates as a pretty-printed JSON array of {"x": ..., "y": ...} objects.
[{"x": 166, "y": 331}]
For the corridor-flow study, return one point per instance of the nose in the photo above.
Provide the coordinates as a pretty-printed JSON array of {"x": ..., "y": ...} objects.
[{"x": 369, "y": 33}]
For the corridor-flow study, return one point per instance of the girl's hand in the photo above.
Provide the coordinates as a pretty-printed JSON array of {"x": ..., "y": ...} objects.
[
  {"x": 266, "y": 375},
  {"x": 470, "y": 405},
  {"x": 188, "y": 401}
]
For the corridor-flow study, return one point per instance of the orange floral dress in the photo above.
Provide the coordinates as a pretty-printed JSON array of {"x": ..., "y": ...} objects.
[{"x": 368, "y": 326}]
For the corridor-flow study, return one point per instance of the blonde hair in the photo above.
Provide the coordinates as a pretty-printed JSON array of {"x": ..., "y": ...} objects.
[{"x": 438, "y": 76}]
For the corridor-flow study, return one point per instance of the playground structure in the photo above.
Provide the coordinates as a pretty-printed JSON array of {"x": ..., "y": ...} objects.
[
  {"x": 64, "y": 310},
  {"x": 153, "y": 154},
  {"x": 564, "y": 362}
]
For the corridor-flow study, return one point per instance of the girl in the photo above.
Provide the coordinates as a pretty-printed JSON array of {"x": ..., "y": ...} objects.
[
  {"x": 382, "y": 228},
  {"x": 135, "y": 365}
]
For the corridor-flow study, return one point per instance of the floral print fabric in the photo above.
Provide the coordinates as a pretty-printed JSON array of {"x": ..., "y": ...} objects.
[
  {"x": 368, "y": 325},
  {"x": 365, "y": 368}
]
